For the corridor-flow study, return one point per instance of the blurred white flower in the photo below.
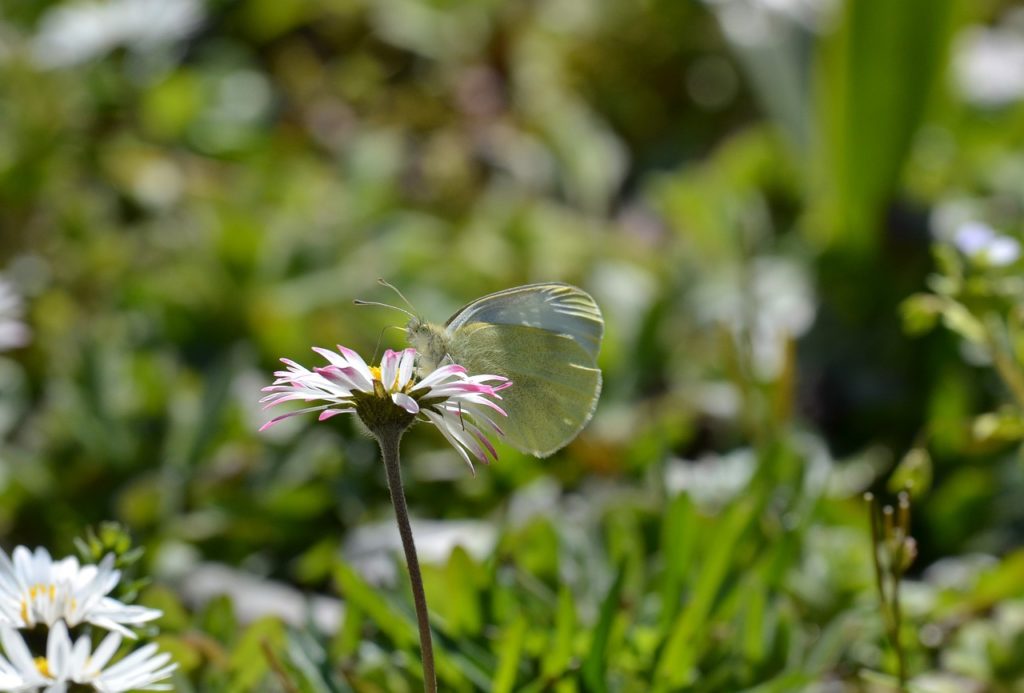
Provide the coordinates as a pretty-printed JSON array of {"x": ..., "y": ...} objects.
[
  {"x": 982, "y": 243},
  {"x": 755, "y": 22},
  {"x": 77, "y": 32},
  {"x": 713, "y": 480},
  {"x": 253, "y": 597},
  {"x": 66, "y": 662},
  {"x": 988, "y": 64},
  {"x": 36, "y": 589},
  {"x": 371, "y": 548},
  {"x": 773, "y": 303},
  {"x": 13, "y": 332}
]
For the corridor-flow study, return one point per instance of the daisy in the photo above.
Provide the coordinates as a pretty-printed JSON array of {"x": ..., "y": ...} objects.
[
  {"x": 461, "y": 406},
  {"x": 77, "y": 663},
  {"x": 36, "y": 589}
]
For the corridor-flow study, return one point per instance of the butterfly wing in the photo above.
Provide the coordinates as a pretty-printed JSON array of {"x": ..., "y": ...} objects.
[
  {"x": 545, "y": 338},
  {"x": 554, "y": 306}
]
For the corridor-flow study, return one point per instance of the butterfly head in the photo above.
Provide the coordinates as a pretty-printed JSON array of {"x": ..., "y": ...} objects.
[{"x": 429, "y": 340}]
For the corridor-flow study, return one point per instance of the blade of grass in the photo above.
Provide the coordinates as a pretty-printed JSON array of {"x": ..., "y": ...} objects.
[
  {"x": 595, "y": 664},
  {"x": 679, "y": 657}
]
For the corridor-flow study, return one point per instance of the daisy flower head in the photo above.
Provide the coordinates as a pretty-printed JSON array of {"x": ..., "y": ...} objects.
[
  {"x": 462, "y": 406},
  {"x": 68, "y": 662},
  {"x": 35, "y": 589}
]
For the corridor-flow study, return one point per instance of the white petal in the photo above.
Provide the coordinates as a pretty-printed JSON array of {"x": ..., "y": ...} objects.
[
  {"x": 17, "y": 651},
  {"x": 58, "y": 651},
  {"x": 405, "y": 402},
  {"x": 105, "y": 651},
  {"x": 389, "y": 369},
  {"x": 405, "y": 368},
  {"x": 438, "y": 421}
]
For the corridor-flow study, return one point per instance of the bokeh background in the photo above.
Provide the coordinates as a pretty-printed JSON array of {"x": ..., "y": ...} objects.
[{"x": 771, "y": 200}]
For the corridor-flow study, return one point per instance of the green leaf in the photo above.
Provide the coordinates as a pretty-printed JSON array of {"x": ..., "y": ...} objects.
[
  {"x": 464, "y": 614},
  {"x": 754, "y": 604},
  {"x": 876, "y": 77},
  {"x": 920, "y": 313},
  {"x": 398, "y": 626},
  {"x": 1003, "y": 426},
  {"x": 679, "y": 657},
  {"x": 174, "y": 618},
  {"x": 249, "y": 660},
  {"x": 346, "y": 641},
  {"x": 510, "y": 651},
  {"x": 913, "y": 473},
  {"x": 560, "y": 646},
  {"x": 678, "y": 544},
  {"x": 355, "y": 590},
  {"x": 596, "y": 663},
  {"x": 218, "y": 619},
  {"x": 957, "y": 318},
  {"x": 308, "y": 666}
]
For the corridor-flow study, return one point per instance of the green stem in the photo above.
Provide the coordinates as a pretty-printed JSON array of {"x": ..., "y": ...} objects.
[
  {"x": 1004, "y": 360},
  {"x": 897, "y": 619},
  {"x": 891, "y": 620},
  {"x": 388, "y": 438},
  {"x": 876, "y": 539}
]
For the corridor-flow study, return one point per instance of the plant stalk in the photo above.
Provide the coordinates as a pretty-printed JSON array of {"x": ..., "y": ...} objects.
[{"x": 389, "y": 438}]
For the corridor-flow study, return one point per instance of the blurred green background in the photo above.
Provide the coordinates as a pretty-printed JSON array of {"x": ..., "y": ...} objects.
[{"x": 751, "y": 190}]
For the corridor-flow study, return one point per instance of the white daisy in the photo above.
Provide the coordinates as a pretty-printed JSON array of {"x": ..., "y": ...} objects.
[
  {"x": 460, "y": 405},
  {"x": 77, "y": 663},
  {"x": 36, "y": 589}
]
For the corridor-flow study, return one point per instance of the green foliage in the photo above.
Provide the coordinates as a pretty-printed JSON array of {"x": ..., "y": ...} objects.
[{"x": 767, "y": 219}]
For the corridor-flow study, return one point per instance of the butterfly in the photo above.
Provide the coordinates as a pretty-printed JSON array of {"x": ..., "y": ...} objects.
[{"x": 544, "y": 338}]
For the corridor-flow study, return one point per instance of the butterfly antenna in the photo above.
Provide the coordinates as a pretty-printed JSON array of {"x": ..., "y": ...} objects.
[
  {"x": 361, "y": 302},
  {"x": 384, "y": 282},
  {"x": 380, "y": 336}
]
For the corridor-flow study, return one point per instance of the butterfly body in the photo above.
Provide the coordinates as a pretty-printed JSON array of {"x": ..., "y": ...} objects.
[{"x": 545, "y": 339}]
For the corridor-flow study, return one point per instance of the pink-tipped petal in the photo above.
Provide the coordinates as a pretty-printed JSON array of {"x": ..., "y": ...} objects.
[
  {"x": 288, "y": 415},
  {"x": 440, "y": 375},
  {"x": 389, "y": 369},
  {"x": 333, "y": 358},
  {"x": 345, "y": 377},
  {"x": 405, "y": 368},
  {"x": 330, "y": 413},
  {"x": 441, "y": 425}
]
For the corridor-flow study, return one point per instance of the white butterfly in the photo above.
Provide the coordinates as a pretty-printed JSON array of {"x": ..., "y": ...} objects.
[{"x": 545, "y": 339}]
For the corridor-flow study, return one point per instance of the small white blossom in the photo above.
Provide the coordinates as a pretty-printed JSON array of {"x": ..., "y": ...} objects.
[
  {"x": 35, "y": 589},
  {"x": 68, "y": 662},
  {"x": 980, "y": 242},
  {"x": 14, "y": 332}
]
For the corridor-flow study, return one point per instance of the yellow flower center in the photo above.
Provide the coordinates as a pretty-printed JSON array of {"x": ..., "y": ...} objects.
[
  {"x": 375, "y": 372},
  {"x": 35, "y": 592},
  {"x": 43, "y": 666}
]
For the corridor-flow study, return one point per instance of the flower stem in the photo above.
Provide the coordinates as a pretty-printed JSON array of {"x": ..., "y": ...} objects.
[{"x": 388, "y": 438}]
